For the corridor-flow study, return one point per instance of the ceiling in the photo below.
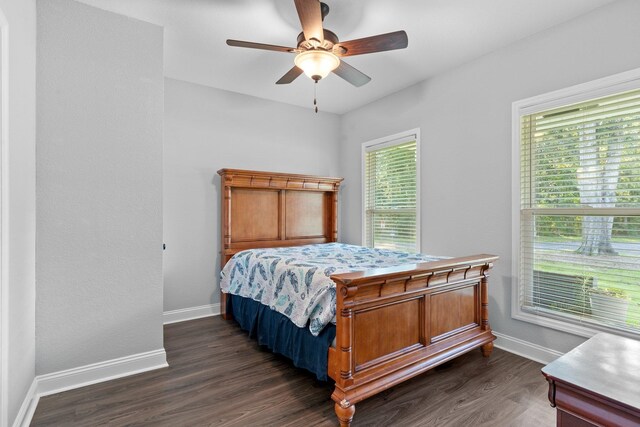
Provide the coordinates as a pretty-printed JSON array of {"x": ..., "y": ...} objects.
[{"x": 442, "y": 34}]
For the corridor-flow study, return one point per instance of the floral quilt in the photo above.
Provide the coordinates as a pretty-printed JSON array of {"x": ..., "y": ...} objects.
[{"x": 295, "y": 280}]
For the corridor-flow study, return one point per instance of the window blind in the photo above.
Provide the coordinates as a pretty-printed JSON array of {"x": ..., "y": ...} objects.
[
  {"x": 390, "y": 177},
  {"x": 580, "y": 212}
]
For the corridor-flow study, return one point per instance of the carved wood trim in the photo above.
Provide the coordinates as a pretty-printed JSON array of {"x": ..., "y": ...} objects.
[{"x": 275, "y": 180}]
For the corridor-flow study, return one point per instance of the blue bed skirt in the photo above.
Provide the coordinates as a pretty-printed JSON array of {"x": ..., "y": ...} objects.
[{"x": 281, "y": 336}]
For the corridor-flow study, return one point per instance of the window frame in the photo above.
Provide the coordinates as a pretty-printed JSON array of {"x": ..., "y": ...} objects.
[
  {"x": 618, "y": 83},
  {"x": 386, "y": 142}
]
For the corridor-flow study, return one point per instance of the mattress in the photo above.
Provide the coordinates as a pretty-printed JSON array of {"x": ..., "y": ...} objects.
[{"x": 295, "y": 281}]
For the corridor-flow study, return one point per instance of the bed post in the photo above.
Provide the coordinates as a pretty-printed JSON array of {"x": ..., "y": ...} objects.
[
  {"x": 345, "y": 413},
  {"x": 344, "y": 344},
  {"x": 486, "y": 349},
  {"x": 334, "y": 213},
  {"x": 226, "y": 237}
]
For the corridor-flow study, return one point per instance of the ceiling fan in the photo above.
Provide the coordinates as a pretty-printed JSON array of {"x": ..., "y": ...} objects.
[{"x": 319, "y": 51}]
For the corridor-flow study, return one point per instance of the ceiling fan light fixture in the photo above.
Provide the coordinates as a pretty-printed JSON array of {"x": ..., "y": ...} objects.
[{"x": 317, "y": 64}]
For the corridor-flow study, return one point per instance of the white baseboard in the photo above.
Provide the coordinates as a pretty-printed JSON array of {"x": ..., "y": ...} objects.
[
  {"x": 28, "y": 408},
  {"x": 57, "y": 382},
  {"x": 526, "y": 349},
  {"x": 190, "y": 313}
]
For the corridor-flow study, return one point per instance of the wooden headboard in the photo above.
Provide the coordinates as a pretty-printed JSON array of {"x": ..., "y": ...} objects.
[{"x": 268, "y": 209}]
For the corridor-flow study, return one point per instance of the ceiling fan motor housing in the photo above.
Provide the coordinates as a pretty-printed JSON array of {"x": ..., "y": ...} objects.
[{"x": 330, "y": 39}]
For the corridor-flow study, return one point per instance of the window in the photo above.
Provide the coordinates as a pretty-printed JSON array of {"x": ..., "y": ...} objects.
[
  {"x": 579, "y": 208},
  {"x": 391, "y": 176}
]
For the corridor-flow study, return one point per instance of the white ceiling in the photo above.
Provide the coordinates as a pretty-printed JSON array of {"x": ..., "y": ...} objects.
[{"x": 442, "y": 34}]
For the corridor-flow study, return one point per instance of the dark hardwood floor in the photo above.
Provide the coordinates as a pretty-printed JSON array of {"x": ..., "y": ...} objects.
[{"x": 219, "y": 377}]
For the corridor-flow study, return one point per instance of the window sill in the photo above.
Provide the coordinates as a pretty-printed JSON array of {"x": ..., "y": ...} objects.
[{"x": 567, "y": 325}]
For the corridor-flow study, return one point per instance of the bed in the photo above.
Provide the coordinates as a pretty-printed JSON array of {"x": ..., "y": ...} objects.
[{"x": 391, "y": 323}]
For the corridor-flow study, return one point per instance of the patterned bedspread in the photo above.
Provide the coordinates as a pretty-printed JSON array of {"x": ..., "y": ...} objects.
[{"x": 295, "y": 280}]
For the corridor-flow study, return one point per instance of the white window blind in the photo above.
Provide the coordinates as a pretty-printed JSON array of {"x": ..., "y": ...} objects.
[
  {"x": 580, "y": 212},
  {"x": 391, "y": 195}
]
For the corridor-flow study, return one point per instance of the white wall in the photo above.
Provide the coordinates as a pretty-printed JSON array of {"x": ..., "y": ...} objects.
[
  {"x": 209, "y": 129},
  {"x": 99, "y": 186},
  {"x": 465, "y": 120},
  {"x": 18, "y": 174}
]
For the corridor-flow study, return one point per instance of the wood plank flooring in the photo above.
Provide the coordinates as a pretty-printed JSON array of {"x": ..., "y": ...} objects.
[{"x": 220, "y": 377}]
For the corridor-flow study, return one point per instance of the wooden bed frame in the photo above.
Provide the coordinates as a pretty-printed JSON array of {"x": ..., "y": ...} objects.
[{"x": 392, "y": 323}]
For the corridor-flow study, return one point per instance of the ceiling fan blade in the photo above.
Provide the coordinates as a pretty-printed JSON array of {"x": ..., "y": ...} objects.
[
  {"x": 379, "y": 43},
  {"x": 291, "y": 75},
  {"x": 310, "y": 16},
  {"x": 352, "y": 75},
  {"x": 239, "y": 43}
]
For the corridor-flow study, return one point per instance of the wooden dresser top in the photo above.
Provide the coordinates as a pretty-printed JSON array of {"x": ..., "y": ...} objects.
[{"x": 607, "y": 365}]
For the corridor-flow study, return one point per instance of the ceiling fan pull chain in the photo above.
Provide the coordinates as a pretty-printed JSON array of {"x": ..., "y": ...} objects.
[{"x": 315, "y": 96}]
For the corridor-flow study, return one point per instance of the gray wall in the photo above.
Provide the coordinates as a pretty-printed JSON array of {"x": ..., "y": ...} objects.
[
  {"x": 206, "y": 130},
  {"x": 18, "y": 209},
  {"x": 99, "y": 186},
  {"x": 465, "y": 119}
]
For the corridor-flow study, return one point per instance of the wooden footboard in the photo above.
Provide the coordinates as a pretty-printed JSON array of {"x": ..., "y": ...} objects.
[{"x": 393, "y": 324}]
